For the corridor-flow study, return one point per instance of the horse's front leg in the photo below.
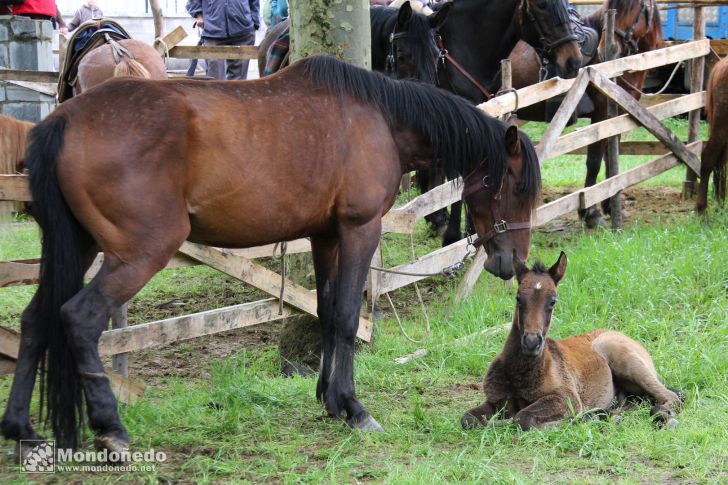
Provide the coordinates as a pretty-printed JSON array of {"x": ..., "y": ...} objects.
[
  {"x": 325, "y": 260},
  {"x": 595, "y": 153},
  {"x": 479, "y": 415},
  {"x": 356, "y": 248},
  {"x": 547, "y": 411}
]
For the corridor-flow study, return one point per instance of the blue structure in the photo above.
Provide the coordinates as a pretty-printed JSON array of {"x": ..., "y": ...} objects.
[{"x": 677, "y": 23}]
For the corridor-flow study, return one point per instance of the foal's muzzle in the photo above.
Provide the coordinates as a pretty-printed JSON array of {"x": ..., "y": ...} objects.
[{"x": 531, "y": 343}]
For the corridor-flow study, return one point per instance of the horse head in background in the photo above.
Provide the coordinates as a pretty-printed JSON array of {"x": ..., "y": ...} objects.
[{"x": 402, "y": 42}]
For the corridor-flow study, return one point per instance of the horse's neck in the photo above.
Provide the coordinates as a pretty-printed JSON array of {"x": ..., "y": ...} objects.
[
  {"x": 478, "y": 34},
  {"x": 528, "y": 370}
]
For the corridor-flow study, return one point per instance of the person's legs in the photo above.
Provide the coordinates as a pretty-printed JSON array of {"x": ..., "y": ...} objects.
[
  {"x": 237, "y": 68},
  {"x": 215, "y": 68}
]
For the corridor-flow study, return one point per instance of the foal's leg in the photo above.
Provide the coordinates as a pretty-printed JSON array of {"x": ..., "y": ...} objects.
[
  {"x": 477, "y": 416},
  {"x": 550, "y": 410},
  {"x": 325, "y": 260},
  {"x": 356, "y": 248},
  {"x": 634, "y": 372}
]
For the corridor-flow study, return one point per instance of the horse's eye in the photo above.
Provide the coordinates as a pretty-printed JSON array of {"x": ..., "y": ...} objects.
[{"x": 552, "y": 303}]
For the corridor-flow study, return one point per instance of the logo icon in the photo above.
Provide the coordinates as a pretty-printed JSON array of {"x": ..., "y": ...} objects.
[{"x": 40, "y": 456}]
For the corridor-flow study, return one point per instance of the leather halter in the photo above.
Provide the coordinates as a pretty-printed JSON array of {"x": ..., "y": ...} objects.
[
  {"x": 546, "y": 45},
  {"x": 627, "y": 36},
  {"x": 500, "y": 225},
  {"x": 390, "y": 65}
]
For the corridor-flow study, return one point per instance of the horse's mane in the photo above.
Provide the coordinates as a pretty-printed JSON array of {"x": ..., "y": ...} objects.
[
  {"x": 461, "y": 135},
  {"x": 539, "y": 268},
  {"x": 419, "y": 38}
]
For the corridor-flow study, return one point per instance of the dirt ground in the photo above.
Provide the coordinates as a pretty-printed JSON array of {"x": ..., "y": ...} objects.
[{"x": 193, "y": 358}]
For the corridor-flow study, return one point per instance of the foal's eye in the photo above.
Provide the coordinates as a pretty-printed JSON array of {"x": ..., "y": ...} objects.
[{"x": 552, "y": 303}]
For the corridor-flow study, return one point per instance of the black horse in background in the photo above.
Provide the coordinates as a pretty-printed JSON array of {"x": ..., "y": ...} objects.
[
  {"x": 476, "y": 36},
  {"x": 403, "y": 42}
]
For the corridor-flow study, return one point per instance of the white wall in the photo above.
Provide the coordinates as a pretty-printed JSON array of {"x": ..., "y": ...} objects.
[{"x": 116, "y": 8}]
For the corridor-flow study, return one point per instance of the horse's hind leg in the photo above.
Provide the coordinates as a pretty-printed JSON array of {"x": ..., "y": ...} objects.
[
  {"x": 713, "y": 154},
  {"x": 16, "y": 420},
  {"x": 634, "y": 372},
  {"x": 86, "y": 316}
]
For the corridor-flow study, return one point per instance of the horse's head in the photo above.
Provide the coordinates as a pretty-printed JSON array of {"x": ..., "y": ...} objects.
[
  {"x": 545, "y": 25},
  {"x": 501, "y": 209},
  {"x": 637, "y": 28},
  {"x": 535, "y": 301},
  {"x": 413, "y": 53}
]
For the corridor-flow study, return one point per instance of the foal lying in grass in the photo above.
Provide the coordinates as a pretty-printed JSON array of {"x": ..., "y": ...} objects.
[{"x": 535, "y": 377}]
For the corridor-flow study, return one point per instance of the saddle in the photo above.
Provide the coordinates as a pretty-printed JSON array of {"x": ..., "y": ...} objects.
[{"x": 88, "y": 36}]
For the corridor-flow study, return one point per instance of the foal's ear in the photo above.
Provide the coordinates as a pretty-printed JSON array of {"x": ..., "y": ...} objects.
[
  {"x": 513, "y": 141},
  {"x": 559, "y": 268},
  {"x": 520, "y": 268},
  {"x": 405, "y": 14},
  {"x": 438, "y": 18}
]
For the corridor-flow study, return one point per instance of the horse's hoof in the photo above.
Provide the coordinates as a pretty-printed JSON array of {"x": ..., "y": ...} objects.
[
  {"x": 368, "y": 424},
  {"x": 672, "y": 423},
  {"x": 111, "y": 443},
  {"x": 468, "y": 421},
  {"x": 593, "y": 222}
]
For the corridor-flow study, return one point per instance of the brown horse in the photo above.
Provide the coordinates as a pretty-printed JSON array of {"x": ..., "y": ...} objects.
[
  {"x": 715, "y": 150},
  {"x": 13, "y": 136},
  {"x": 203, "y": 161},
  {"x": 537, "y": 380},
  {"x": 133, "y": 58},
  {"x": 637, "y": 29}
]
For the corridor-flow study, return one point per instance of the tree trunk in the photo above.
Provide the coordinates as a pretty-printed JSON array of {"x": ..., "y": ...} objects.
[
  {"x": 336, "y": 27},
  {"x": 158, "y": 18}
]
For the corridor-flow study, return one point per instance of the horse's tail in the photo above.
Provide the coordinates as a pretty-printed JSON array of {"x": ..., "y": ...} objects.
[
  {"x": 61, "y": 277},
  {"x": 131, "y": 67}
]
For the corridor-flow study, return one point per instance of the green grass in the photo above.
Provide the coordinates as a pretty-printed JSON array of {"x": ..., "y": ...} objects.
[{"x": 665, "y": 285}]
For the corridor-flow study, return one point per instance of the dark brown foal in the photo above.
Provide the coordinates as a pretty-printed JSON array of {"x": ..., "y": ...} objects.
[{"x": 537, "y": 380}]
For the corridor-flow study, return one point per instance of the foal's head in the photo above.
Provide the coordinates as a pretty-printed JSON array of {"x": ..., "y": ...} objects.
[{"x": 535, "y": 300}]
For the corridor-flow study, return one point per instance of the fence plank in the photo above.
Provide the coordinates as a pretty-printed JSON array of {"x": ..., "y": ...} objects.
[
  {"x": 556, "y": 208},
  {"x": 471, "y": 276},
  {"x": 214, "y": 52},
  {"x": 431, "y": 263},
  {"x": 562, "y": 116},
  {"x": 15, "y": 188},
  {"x": 9, "y": 343},
  {"x": 164, "y": 332},
  {"x": 605, "y": 189},
  {"x": 170, "y": 40},
  {"x": 28, "y": 76},
  {"x": 623, "y": 123},
  {"x": 646, "y": 119},
  {"x": 262, "y": 278},
  {"x": 639, "y": 62}
]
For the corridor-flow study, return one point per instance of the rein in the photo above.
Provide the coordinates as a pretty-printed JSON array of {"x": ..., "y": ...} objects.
[
  {"x": 627, "y": 36},
  {"x": 500, "y": 225},
  {"x": 446, "y": 57}
]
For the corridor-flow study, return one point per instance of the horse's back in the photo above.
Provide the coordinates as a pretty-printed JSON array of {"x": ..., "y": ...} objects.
[{"x": 99, "y": 64}]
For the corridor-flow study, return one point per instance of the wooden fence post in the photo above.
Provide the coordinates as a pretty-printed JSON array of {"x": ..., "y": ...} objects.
[
  {"x": 120, "y": 362},
  {"x": 696, "y": 84},
  {"x": 612, "y": 159},
  {"x": 506, "y": 81}
]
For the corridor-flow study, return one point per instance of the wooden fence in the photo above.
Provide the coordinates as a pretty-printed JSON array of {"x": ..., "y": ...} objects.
[{"x": 240, "y": 265}]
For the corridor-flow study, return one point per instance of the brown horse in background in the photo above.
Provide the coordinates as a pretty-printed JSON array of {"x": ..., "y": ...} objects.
[
  {"x": 134, "y": 58},
  {"x": 715, "y": 150},
  {"x": 202, "y": 161},
  {"x": 537, "y": 381},
  {"x": 13, "y": 141},
  {"x": 637, "y": 29}
]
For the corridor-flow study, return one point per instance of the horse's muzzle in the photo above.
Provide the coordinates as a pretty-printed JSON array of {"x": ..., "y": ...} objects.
[{"x": 532, "y": 343}]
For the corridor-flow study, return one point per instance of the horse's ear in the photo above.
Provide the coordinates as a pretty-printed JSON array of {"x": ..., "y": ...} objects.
[
  {"x": 520, "y": 268},
  {"x": 559, "y": 268},
  {"x": 405, "y": 14},
  {"x": 438, "y": 18},
  {"x": 513, "y": 141}
]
